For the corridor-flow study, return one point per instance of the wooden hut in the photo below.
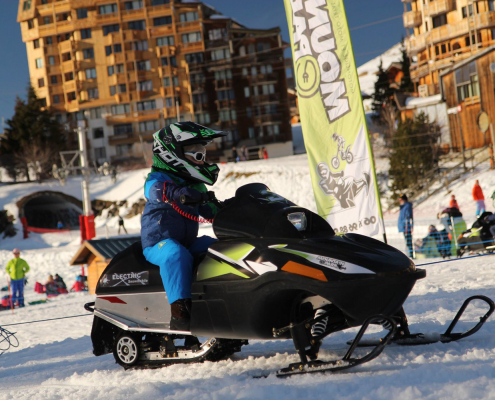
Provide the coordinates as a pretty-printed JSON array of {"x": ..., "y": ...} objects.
[{"x": 97, "y": 253}]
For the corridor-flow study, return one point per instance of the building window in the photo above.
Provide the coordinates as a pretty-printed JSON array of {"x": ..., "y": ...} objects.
[
  {"x": 110, "y": 28},
  {"x": 159, "y": 2},
  {"x": 272, "y": 130},
  {"x": 56, "y": 99},
  {"x": 143, "y": 65},
  {"x": 268, "y": 89},
  {"x": 202, "y": 118},
  {"x": 30, "y": 24},
  {"x": 225, "y": 95},
  {"x": 36, "y": 44},
  {"x": 122, "y": 129},
  {"x": 123, "y": 149},
  {"x": 251, "y": 49},
  {"x": 228, "y": 115},
  {"x": 122, "y": 88},
  {"x": 39, "y": 63},
  {"x": 146, "y": 105},
  {"x": 53, "y": 79},
  {"x": 246, "y": 92},
  {"x": 48, "y": 40},
  {"x": 439, "y": 20},
  {"x": 266, "y": 69},
  {"x": 93, "y": 93},
  {"x": 111, "y": 70},
  {"x": 71, "y": 96},
  {"x": 140, "y": 45},
  {"x": 253, "y": 71},
  {"x": 26, "y": 5},
  {"x": 166, "y": 81},
  {"x": 95, "y": 113},
  {"x": 88, "y": 53},
  {"x": 108, "y": 50},
  {"x": 189, "y": 16},
  {"x": 86, "y": 33},
  {"x": 133, "y": 5},
  {"x": 191, "y": 37},
  {"x": 137, "y": 25},
  {"x": 467, "y": 83},
  {"x": 66, "y": 56},
  {"x": 118, "y": 109},
  {"x": 470, "y": 9},
  {"x": 200, "y": 98},
  {"x": 98, "y": 133},
  {"x": 69, "y": 76},
  {"x": 223, "y": 74},
  {"x": 41, "y": 82},
  {"x": 245, "y": 71},
  {"x": 194, "y": 58},
  {"x": 251, "y": 132},
  {"x": 82, "y": 13},
  {"x": 169, "y": 102},
  {"x": 100, "y": 153},
  {"x": 165, "y": 41},
  {"x": 220, "y": 54},
  {"x": 167, "y": 20},
  {"x": 148, "y": 126},
  {"x": 197, "y": 78},
  {"x": 271, "y": 109},
  {"x": 119, "y": 69},
  {"x": 491, "y": 5},
  {"x": 217, "y": 34},
  {"x": 113, "y": 90},
  {"x": 107, "y": 9},
  {"x": 47, "y": 21},
  {"x": 90, "y": 73},
  {"x": 117, "y": 48},
  {"x": 145, "y": 86}
]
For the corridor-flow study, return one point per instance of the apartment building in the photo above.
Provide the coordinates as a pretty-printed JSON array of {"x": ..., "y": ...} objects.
[
  {"x": 441, "y": 33},
  {"x": 129, "y": 67}
]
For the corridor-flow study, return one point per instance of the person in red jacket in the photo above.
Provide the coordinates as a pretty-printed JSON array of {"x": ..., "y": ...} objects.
[
  {"x": 453, "y": 203},
  {"x": 479, "y": 198}
]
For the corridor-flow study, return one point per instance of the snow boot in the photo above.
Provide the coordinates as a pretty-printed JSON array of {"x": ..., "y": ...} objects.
[{"x": 181, "y": 315}]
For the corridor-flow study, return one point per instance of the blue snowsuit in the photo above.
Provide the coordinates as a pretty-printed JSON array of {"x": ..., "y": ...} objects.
[
  {"x": 169, "y": 239},
  {"x": 406, "y": 224}
]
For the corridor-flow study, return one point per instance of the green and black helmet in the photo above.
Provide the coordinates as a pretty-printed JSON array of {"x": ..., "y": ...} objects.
[{"x": 168, "y": 151}]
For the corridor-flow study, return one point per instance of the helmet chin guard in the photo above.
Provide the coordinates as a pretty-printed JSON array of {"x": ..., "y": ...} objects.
[{"x": 169, "y": 154}]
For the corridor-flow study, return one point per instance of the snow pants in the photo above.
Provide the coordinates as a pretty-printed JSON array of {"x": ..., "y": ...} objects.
[
  {"x": 176, "y": 264},
  {"x": 17, "y": 288},
  {"x": 480, "y": 207}
]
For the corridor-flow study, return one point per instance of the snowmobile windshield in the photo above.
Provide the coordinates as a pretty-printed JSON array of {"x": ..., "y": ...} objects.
[{"x": 257, "y": 212}]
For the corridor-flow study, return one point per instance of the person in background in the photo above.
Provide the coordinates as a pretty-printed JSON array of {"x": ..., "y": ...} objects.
[
  {"x": 453, "y": 203},
  {"x": 405, "y": 224},
  {"x": 265, "y": 153},
  {"x": 244, "y": 153},
  {"x": 17, "y": 269},
  {"x": 121, "y": 225},
  {"x": 479, "y": 198},
  {"x": 78, "y": 285},
  {"x": 260, "y": 153},
  {"x": 51, "y": 287},
  {"x": 60, "y": 282},
  {"x": 234, "y": 154}
]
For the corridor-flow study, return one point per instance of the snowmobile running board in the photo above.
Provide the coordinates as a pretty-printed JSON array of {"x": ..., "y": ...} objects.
[
  {"x": 405, "y": 338},
  {"x": 130, "y": 326}
]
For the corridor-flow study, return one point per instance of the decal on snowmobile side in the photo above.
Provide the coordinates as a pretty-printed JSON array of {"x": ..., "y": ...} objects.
[
  {"x": 331, "y": 263},
  {"x": 129, "y": 279}
]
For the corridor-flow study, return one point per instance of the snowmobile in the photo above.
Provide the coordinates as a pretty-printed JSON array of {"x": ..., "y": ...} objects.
[
  {"x": 477, "y": 239},
  {"x": 277, "y": 271}
]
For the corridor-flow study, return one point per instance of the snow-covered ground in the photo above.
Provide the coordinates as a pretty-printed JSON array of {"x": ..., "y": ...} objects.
[{"x": 54, "y": 359}]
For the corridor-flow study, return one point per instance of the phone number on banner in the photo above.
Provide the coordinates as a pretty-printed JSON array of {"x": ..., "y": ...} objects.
[{"x": 355, "y": 225}]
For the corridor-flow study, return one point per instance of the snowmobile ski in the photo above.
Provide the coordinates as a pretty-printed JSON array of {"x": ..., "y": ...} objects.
[{"x": 404, "y": 337}]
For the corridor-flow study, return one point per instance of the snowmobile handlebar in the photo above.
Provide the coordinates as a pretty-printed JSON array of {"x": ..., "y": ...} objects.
[{"x": 208, "y": 197}]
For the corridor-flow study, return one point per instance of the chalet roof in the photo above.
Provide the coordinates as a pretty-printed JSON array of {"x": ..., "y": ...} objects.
[{"x": 104, "y": 249}]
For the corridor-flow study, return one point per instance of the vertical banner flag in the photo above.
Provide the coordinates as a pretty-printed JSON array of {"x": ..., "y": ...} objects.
[{"x": 332, "y": 117}]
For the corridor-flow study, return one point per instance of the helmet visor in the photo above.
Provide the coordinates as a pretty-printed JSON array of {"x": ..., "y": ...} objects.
[{"x": 196, "y": 151}]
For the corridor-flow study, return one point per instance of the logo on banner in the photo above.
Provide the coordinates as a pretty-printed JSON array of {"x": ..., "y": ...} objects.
[
  {"x": 317, "y": 66},
  {"x": 129, "y": 279}
]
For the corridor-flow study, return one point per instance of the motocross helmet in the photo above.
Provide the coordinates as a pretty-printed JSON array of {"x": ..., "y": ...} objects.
[{"x": 169, "y": 151}]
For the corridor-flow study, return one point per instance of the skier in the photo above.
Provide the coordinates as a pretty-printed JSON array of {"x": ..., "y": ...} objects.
[
  {"x": 169, "y": 230},
  {"x": 479, "y": 198},
  {"x": 406, "y": 222},
  {"x": 17, "y": 269},
  {"x": 453, "y": 203},
  {"x": 121, "y": 225}
]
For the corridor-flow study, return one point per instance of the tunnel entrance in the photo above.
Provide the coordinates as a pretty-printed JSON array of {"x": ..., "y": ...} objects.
[{"x": 43, "y": 210}]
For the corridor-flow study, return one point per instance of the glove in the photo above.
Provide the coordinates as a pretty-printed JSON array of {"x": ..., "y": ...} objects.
[{"x": 207, "y": 197}]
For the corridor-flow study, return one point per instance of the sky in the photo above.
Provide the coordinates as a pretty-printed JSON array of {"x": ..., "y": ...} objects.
[{"x": 368, "y": 42}]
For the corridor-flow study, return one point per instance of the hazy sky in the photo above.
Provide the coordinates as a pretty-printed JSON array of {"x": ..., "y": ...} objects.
[{"x": 368, "y": 42}]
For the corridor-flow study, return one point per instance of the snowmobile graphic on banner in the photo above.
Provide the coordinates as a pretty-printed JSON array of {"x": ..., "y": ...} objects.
[{"x": 332, "y": 117}]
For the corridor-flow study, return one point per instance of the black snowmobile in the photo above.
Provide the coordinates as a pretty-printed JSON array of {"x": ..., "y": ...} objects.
[
  {"x": 478, "y": 239},
  {"x": 278, "y": 271}
]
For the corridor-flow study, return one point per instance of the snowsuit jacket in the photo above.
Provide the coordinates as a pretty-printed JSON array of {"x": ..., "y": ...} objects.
[
  {"x": 17, "y": 268},
  {"x": 406, "y": 217},
  {"x": 160, "y": 220},
  {"x": 478, "y": 193}
]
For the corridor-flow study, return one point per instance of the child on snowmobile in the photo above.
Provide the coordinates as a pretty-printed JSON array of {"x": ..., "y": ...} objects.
[{"x": 169, "y": 229}]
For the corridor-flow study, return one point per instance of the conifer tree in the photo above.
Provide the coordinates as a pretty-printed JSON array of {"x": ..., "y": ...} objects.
[
  {"x": 32, "y": 138},
  {"x": 406, "y": 84}
]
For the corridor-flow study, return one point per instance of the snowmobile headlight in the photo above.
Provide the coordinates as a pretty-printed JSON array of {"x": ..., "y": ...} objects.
[{"x": 298, "y": 219}]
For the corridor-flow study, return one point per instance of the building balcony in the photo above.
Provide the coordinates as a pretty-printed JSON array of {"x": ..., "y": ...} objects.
[
  {"x": 131, "y": 15},
  {"x": 122, "y": 98},
  {"x": 53, "y": 69},
  {"x": 66, "y": 46},
  {"x": 267, "y": 119},
  {"x": 131, "y": 36},
  {"x": 170, "y": 112},
  {"x": 112, "y": 38},
  {"x": 169, "y": 91},
  {"x": 414, "y": 44},
  {"x": 225, "y": 104},
  {"x": 116, "y": 79},
  {"x": 136, "y": 55},
  {"x": 116, "y": 58},
  {"x": 51, "y": 50},
  {"x": 86, "y": 84},
  {"x": 412, "y": 19},
  {"x": 83, "y": 3},
  {"x": 105, "y": 19},
  {"x": 121, "y": 139},
  {"x": 56, "y": 89},
  {"x": 211, "y": 44},
  {"x": 30, "y": 34},
  {"x": 192, "y": 47},
  {"x": 263, "y": 78},
  {"x": 157, "y": 31},
  {"x": 68, "y": 66},
  {"x": 70, "y": 86},
  {"x": 438, "y": 7},
  {"x": 165, "y": 51},
  {"x": 137, "y": 116},
  {"x": 190, "y": 26},
  {"x": 63, "y": 6},
  {"x": 222, "y": 84},
  {"x": 85, "y": 64},
  {"x": 83, "y": 23},
  {"x": 266, "y": 98},
  {"x": 160, "y": 11},
  {"x": 72, "y": 106},
  {"x": 167, "y": 71}
]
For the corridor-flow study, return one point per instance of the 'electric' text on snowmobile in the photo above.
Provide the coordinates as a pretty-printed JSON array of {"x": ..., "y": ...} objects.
[{"x": 277, "y": 271}]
